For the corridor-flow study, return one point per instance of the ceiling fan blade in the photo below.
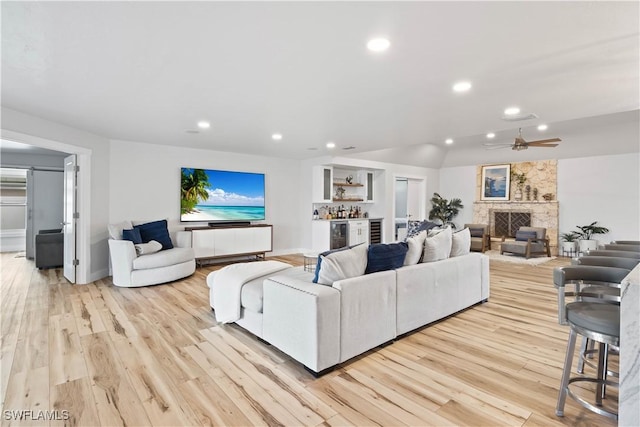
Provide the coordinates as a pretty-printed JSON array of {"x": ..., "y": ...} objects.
[
  {"x": 546, "y": 140},
  {"x": 538, "y": 144},
  {"x": 496, "y": 144},
  {"x": 497, "y": 147}
]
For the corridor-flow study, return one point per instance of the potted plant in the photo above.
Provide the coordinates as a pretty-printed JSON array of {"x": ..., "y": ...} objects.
[
  {"x": 587, "y": 232},
  {"x": 569, "y": 241},
  {"x": 444, "y": 210},
  {"x": 520, "y": 179}
]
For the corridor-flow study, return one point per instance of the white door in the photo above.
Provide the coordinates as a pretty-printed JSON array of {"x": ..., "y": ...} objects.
[
  {"x": 414, "y": 200},
  {"x": 70, "y": 218}
]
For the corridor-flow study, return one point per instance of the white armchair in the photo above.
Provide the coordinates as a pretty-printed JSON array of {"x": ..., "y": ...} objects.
[{"x": 130, "y": 270}]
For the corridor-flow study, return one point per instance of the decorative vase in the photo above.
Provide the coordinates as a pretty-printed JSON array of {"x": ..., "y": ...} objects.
[{"x": 518, "y": 194}]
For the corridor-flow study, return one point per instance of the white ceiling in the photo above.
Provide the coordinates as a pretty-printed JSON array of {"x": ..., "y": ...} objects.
[{"x": 148, "y": 71}]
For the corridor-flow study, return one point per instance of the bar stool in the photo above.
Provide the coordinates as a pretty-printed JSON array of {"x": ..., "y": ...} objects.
[
  {"x": 619, "y": 254},
  {"x": 611, "y": 294},
  {"x": 593, "y": 285},
  {"x": 598, "y": 322}
]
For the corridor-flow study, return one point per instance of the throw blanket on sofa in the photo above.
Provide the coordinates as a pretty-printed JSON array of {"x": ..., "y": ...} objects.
[{"x": 228, "y": 282}]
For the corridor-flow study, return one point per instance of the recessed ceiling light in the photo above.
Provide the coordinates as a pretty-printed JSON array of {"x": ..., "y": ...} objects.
[
  {"x": 448, "y": 141},
  {"x": 378, "y": 45},
  {"x": 204, "y": 125},
  {"x": 512, "y": 111},
  {"x": 331, "y": 144},
  {"x": 491, "y": 135},
  {"x": 276, "y": 136},
  {"x": 542, "y": 127},
  {"x": 462, "y": 86}
]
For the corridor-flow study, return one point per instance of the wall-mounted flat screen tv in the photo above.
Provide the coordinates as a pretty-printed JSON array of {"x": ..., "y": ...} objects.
[{"x": 217, "y": 195}]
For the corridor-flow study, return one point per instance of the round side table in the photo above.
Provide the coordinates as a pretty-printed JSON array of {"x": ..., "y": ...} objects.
[{"x": 310, "y": 261}]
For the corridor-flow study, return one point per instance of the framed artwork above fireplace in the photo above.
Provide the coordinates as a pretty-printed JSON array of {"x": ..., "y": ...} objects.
[{"x": 496, "y": 180}]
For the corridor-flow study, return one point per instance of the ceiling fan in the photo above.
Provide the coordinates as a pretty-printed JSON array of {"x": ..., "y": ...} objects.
[{"x": 520, "y": 144}]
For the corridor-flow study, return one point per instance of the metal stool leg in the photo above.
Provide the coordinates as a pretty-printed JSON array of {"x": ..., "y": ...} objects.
[
  {"x": 583, "y": 354},
  {"x": 566, "y": 373}
]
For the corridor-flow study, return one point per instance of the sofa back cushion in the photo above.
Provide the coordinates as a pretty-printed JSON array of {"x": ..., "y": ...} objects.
[
  {"x": 156, "y": 230},
  {"x": 460, "y": 243},
  {"x": 342, "y": 264},
  {"x": 383, "y": 257},
  {"x": 415, "y": 247},
  {"x": 438, "y": 245}
]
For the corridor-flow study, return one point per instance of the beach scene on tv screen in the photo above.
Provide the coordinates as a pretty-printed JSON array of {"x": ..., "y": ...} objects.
[{"x": 214, "y": 195}]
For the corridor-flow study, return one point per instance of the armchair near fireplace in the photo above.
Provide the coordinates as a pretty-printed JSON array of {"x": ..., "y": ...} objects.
[
  {"x": 529, "y": 241},
  {"x": 480, "y": 237}
]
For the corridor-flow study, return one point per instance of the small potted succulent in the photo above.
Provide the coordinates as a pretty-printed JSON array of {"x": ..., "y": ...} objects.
[
  {"x": 569, "y": 241},
  {"x": 586, "y": 233}
]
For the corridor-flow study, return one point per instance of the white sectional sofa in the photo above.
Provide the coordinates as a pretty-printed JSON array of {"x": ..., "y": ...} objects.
[{"x": 321, "y": 326}]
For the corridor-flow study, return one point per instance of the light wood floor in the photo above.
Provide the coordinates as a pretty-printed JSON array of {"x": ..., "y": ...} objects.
[{"x": 155, "y": 356}]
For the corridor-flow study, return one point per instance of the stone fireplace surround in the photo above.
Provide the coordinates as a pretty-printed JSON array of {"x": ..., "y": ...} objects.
[
  {"x": 541, "y": 175},
  {"x": 543, "y": 214}
]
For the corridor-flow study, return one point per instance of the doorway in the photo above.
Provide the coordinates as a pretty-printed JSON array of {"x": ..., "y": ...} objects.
[
  {"x": 409, "y": 203},
  {"x": 83, "y": 185}
]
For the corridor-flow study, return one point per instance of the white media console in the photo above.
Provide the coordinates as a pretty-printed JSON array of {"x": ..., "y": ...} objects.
[{"x": 223, "y": 241}]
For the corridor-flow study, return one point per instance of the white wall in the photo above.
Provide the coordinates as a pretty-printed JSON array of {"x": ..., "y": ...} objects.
[
  {"x": 459, "y": 182},
  {"x": 93, "y": 179},
  {"x": 604, "y": 189},
  {"x": 145, "y": 185}
]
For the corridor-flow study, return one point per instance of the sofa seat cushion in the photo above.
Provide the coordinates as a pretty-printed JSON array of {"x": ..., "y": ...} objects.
[
  {"x": 163, "y": 258},
  {"x": 521, "y": 247},
  {"x": 252, "y": 294}
]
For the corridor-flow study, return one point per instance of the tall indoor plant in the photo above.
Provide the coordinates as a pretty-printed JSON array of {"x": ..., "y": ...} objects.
[
  {"x": 444, "y": 210},
  {"x": 587, "y": 232}
]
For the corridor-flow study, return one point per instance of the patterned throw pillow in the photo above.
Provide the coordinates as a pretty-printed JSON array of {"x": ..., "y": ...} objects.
[{"x": 415, "y": 227}]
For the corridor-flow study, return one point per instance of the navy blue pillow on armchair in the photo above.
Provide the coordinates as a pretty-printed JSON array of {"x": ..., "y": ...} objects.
[
  {"x": 133, "y": 235},
  {"x": 523, "y": 236},
  {"x": 156, "y": 230}
]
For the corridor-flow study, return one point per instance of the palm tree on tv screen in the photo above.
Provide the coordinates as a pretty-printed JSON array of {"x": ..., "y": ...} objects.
[{"x": 195, "y": 183}]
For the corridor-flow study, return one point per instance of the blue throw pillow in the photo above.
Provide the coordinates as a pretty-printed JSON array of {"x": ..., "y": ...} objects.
[
  {"x": 523, "y": 236},
  {"x": 156, "y": 230},
  {"x": 382, "y": 257},
  {"x": 132, "y": 235}
]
